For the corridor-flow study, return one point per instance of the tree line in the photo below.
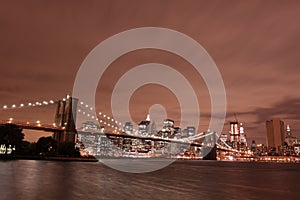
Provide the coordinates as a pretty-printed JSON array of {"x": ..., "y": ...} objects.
[{"x": 12, "y": 142}]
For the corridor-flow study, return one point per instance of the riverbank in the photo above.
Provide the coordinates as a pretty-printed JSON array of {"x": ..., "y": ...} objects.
[{"x": 52, "y": 158}]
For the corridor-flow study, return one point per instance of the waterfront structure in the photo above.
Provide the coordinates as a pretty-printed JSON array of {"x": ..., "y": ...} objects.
[{"x": 275, "y": 133}]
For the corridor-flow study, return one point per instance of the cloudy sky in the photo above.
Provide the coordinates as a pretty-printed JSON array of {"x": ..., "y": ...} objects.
[{"x": 255, "y": 45}]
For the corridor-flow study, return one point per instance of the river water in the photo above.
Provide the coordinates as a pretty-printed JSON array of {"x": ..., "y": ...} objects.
[{"x": 25, "y": 179}]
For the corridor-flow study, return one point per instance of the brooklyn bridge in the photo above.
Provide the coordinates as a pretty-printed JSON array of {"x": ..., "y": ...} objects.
[{"x": 64, "y": 128}]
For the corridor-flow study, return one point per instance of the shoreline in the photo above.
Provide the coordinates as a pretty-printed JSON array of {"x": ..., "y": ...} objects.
[{"x": 49, "y": 158}]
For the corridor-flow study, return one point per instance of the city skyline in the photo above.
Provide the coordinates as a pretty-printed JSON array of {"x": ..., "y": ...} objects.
[{"x": 253, "y": 44}]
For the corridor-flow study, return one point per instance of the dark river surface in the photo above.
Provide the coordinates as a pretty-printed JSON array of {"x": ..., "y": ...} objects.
[{"x": 24, "y": 179}]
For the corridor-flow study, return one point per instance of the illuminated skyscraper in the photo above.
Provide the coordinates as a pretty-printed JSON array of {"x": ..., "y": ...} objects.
[
  {"x": 153, "y": 129},
  {"x": 144, "y": 127},
  {"x": 275, "y": 133},
  {"x": 288, "y": 131},
  {"x": 191, "y": 130},
  {"x": 243, "y": 139},
  {"x": 128, "y": 128},
  {"x": 234, "y": 132}
]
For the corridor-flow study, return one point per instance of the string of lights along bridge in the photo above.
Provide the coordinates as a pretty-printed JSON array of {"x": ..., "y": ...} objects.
[
  {"x": 83, "y": 109},
  {"x": 64, "y": 126}
]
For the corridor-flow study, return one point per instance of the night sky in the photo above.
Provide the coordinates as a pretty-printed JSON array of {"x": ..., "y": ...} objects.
[{"x": 255, "y": 45}]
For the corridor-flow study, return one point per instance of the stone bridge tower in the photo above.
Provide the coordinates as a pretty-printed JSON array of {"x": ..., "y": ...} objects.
[{"x": 66, "y": 117}]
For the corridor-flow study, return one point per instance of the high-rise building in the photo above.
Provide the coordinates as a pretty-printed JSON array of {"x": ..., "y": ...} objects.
[
  {"x": 153, "y": 129},
  {"x": 275, "y": 133},
  {"x": 92, "y": 126},
  {"x": 234, "y": 132},
  {"x": 291, "y": 140},
  {"x": 191, "y": 130},
  {"x": 288, "y": 131},
  {"x": 128, "y": 128},
  {"x": 144, "y": 127},
  {"x": 243, "y": 138}
]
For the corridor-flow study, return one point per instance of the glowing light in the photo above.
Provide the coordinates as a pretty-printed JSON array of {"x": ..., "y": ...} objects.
[
  {"x": 5, "y": 106},
  {"x": 68, "y": 96},
  {"x": 54, "y": 124},
  {"x": 108, "y": 117},
  {"x": 29, "y": 104},
  {"x": 21, "y": 105},
  {"x": 14, "y": 106},
  {"x": 38, "y": 121},
  {"x": 112, "y": 119},
  {"x": 104, "y": 115},
  {"x": 64, "y": 99},
  {"x": 86, "y": 106},
  {"x": 88, "y": 115},
  {"x": 11, "y": 119},
  {"x": 91, "y": 108},
  {"x": 100, "y": 113},
  {"x": 51, "y": 101},
  {"x": 81, "y": 103}
]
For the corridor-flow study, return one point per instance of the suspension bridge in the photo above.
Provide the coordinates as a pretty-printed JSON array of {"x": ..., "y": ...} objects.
[{"x": 64, "y": 126}]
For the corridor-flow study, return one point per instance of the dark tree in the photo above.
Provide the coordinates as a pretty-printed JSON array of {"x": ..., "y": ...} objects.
[
  {"x": 68, "y": 149},
  {"x": 11, "y": 136},
  {"x": 46, "y": 145}
]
